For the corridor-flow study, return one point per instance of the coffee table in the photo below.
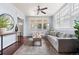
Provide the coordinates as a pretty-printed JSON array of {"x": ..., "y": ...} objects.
[{"x": 35, "y": 40}]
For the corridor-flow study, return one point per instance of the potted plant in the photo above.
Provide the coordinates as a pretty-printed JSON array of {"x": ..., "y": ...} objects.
[
  {"x": 76, "y": 28},
  {"x": 3, "y": 24}
]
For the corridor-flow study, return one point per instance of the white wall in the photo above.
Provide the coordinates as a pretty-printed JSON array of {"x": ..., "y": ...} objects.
[
  {"x": 14, "y": 12},
  {"x": 26, "y": 27}
]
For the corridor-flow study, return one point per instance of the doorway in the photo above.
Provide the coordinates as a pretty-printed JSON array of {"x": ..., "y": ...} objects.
[{"x": 20, "y": 26}]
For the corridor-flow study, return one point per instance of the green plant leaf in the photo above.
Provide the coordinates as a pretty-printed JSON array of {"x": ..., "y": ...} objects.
[
  {"x": 76, "y": 26},
  {"x": 3, "y": 22}
]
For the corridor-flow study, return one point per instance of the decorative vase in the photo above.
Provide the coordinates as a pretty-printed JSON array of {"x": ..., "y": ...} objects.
[{"x": 16, "y": 28}]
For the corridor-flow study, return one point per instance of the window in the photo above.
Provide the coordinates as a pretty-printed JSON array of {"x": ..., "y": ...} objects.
[
  {"x": 64, "y": 20},
  {"x": 39, "y": 26},
  {"x": 75, "y": 6},
  {"x": 38, "y": 23},
  {"x": 45, "y": 26}
]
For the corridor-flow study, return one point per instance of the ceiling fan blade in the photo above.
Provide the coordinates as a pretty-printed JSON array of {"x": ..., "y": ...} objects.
[
  {"x": 43, "y": 12},
  {"x": 43, "y": 8}
]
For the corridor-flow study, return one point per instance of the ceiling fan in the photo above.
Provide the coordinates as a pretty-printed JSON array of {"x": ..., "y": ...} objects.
[{"x": 41, "y": 10}]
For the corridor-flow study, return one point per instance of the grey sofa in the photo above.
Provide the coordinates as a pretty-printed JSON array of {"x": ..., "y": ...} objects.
[{"x": 63, "y": 44}]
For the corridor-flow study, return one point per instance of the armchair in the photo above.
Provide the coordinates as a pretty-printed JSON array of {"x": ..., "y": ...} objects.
[{"x": 36, "y": 37}]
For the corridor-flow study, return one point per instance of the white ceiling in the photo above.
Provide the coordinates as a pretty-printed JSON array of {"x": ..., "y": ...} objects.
[{"x": 30, "y": 9}]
